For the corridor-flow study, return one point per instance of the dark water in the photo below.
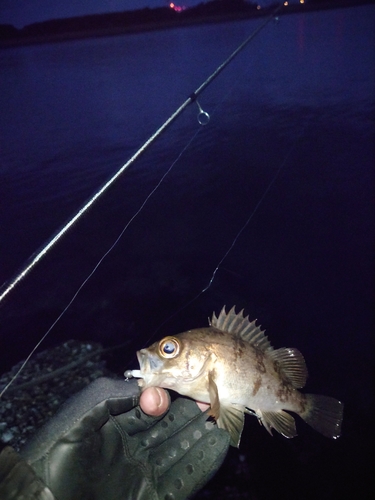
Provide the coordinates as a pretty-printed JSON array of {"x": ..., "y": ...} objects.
[{"x": 300, "y": 98}]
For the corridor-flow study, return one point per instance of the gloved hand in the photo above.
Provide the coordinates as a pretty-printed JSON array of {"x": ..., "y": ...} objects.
[{"x": 102, "y": 446}]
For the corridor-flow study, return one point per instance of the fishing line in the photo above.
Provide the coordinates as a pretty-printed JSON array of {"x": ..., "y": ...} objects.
[
  {"x": 98, "y": 264},
  {"x": 203, "y": 118},
  {"x": 243, "y": 227},
  {"x": 249, "y": 218},
  {"x": 49, "y": 245}
]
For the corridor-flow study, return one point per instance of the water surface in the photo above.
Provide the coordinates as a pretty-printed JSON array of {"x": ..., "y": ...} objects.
[{"x": 299, "y": 99}]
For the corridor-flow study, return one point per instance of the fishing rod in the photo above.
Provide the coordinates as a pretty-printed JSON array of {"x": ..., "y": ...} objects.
[{"x": 203, "y": 118}]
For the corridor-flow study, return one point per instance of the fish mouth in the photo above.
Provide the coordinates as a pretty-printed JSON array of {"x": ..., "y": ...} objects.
[
  {"x": 151, "y": 371},
  {"x": 148, "y": 363}
]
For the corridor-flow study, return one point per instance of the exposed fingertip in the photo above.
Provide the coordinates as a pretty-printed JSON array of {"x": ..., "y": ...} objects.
[
  {"x": 154, "y": 401},
  {"x": 202, "y": 406}
]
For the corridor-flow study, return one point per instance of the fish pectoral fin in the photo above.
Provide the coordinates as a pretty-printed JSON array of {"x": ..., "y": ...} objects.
[
  {"x": 232, "y": 419},
  {"x": 229, "y": 417},
  {"x": 214, "y": 396},
  {"x": 279, "y": 420},
  {"x": 292, "y": 365}
]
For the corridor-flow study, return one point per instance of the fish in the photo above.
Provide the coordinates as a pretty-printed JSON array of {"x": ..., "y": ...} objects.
[{"x": 232, "y": 366}]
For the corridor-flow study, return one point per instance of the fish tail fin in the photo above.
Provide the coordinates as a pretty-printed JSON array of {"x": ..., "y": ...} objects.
[{"x": 324, "y": 414}]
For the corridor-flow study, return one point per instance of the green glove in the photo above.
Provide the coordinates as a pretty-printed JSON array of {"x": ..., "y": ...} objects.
[{"x": 101, "y": 446}]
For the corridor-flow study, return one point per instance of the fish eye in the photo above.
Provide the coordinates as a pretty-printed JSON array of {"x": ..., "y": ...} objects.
[{"x": 169, "y": 347}]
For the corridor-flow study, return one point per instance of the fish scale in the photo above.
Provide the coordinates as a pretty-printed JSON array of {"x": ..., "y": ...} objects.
[{"x": 232, "y": 366}]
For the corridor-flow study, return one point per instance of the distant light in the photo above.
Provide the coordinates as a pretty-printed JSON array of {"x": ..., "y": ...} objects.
[
  {"x": 301, "y": 1},
  {"x": 286, "y": 4},
  {"x": 176, "y": 8},
  {"x": 259, "y": 7}
]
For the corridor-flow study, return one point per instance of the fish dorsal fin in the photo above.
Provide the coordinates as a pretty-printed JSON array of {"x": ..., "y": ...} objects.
[
  {"x": 291, "y": 365},
  {"x": 240, "y": 325}
]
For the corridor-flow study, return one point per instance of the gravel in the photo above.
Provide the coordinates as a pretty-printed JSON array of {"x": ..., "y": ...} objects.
[{"x": 48, "y": 380}]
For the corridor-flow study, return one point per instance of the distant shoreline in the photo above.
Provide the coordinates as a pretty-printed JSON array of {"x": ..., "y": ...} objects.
[{"x": 19, "y": 41}]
